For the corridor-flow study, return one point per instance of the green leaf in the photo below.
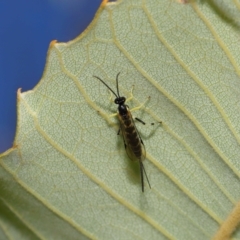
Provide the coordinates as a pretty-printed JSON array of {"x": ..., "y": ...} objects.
[{"x": 68, "y": 175}]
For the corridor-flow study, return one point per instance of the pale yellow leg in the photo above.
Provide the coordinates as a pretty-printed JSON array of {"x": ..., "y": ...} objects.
[
  {"x": 140, "y": 106},
  {"x": 127, "y": 100},
  {"x": 131, "y": 95},
  {"x": 112, "y": 115}
]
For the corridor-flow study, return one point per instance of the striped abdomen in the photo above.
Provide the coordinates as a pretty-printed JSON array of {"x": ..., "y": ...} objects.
[{"x": 131, "y": 135}]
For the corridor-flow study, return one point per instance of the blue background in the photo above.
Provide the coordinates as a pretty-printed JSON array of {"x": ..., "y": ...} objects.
[{"x": 26, "y": 29}]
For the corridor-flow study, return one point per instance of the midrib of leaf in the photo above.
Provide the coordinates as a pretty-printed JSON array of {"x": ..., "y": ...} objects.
[{"x": 229, "y": 225}]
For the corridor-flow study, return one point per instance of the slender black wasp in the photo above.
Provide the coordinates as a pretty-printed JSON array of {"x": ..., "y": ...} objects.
[{"x": 133, "y": 143}]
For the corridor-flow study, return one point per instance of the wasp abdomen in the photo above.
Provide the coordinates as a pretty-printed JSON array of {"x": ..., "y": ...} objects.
[{"x": 132, "y": 138}]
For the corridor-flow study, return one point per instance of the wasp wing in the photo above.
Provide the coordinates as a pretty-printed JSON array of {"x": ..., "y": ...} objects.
[
  {"x": 143, "y": 157},
  {"x": 129, "y": 151},
  {"x": 128, "y": 147}
]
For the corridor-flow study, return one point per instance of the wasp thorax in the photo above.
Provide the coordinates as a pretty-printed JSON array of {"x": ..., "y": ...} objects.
[{"x": 120, "y": 100}]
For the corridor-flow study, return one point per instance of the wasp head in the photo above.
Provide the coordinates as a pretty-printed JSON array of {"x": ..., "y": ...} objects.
[{"x": 120, "y": 100}]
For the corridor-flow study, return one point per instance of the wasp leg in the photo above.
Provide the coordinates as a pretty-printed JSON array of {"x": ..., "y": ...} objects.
[
  {"x": 131, "y": 95},
  {"x": 140, "y": 106},
  {"x": 141, "y": 174},
  {"x": 113, "y": 115},
  {"x": 141, "y": 121},
  {"x": 142, "y": 169}
]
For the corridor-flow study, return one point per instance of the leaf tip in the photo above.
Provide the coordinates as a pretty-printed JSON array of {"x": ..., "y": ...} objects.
[
  {"x": 19, "y": 91},
  {"x": 104, "y": 3},
  {"x": 52, "y": 43},
  {"x": 14, "y": 146}
]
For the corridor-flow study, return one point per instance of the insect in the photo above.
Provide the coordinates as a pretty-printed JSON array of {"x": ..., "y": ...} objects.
[{"x": 132, "y": 140}]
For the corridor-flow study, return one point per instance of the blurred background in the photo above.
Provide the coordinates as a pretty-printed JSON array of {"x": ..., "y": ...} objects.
[{"x": 26, "y": 30}]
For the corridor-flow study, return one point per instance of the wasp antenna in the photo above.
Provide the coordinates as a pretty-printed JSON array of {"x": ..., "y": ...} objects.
[
  {"x": 141, "y": 173},
  {"x": 106, "y": 85},
  {"x": 117, "y": 84},
  {"x": 143, "y": 169}
]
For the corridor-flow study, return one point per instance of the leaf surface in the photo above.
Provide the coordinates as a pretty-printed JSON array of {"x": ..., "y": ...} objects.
[{"x": 68, "y": 175}]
